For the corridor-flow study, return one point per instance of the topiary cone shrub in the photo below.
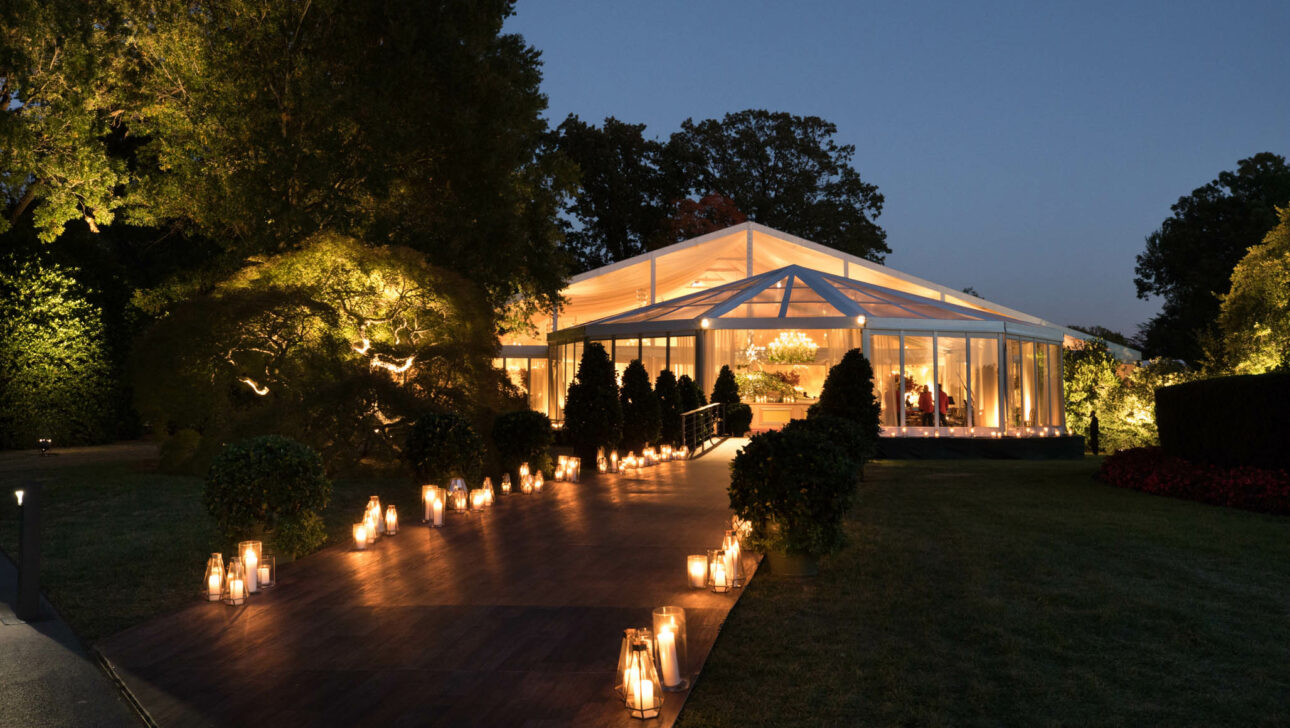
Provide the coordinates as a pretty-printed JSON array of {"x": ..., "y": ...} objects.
[
  {"x": 848, "y": 394},
  {"x": 271, "y": 487},
  {"x": 691, "y": 395},
  {"x": 443, "y": 446},
  {"x": 668, "y": 395},
  {"x": 523, "y": 437},
  {"x": 641, "y": 424},
  {"x": 795, "y": 488},
  {"x": 726, "y": 388},
  {"x": 593, "y": 414}
]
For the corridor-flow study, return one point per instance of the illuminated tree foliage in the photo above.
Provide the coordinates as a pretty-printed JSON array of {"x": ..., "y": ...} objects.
[
  {"x": 55, "y": 379},
  {"x": 1255, "y": 315},
  {"x": 1122, "y": 395},
  {"x": 1189, "y": 260},
  {"x": 337, "y": 344},
  {"x": 259, "y": 124}
]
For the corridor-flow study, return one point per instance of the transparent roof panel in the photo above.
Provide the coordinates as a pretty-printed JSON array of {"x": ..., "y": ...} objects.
[{"x": 810, "y": 294}]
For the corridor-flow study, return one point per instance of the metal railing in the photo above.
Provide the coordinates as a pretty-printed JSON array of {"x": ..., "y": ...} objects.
[{"x": 700, "y": 426}]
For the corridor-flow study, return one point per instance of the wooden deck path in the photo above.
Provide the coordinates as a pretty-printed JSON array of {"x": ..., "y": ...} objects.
[{"x": 510, "y": 617}]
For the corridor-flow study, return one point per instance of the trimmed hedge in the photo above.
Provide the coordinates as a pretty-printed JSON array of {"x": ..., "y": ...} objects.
[
  {"x": 1228, "y": 421},
  {"x": 443, "y": 446},
  {"x": 1152, "y": 470}
]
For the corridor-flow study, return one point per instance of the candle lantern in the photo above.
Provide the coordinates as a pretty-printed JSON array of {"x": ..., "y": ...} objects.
[
  {"x": 360, "y": 535},
  {"x": 215, "y": 578},
  {"x": 734, "y": 558},
  {"x": 559, "y": 472},
  {"x": 266, "y": 574},
  {"x": 684, "y": 452},
  {"x": 602, "y": 464},
  {"x": 697, "y": 567},
  {"x": 631, "y": 636},
  {"x": 428, "y": 495},
  {"x": 538, "y": 482},
  {"x": 669, "y": 645},
  {"x": 613, "y": 461},
  {"x": 436, "y": 511},
  {"x": 665, "y": 453},
  {"x": 562, "y": 467},
  {"x": 575, "y": 463},
  {"x": 718, "y": 573},
  {"x": 250, "y": 551},
  {"x": 644, "y": 696},
  {"x": 458, "y": 496},
  {"x": 235, "y": 582},
  {"x": 477, "y": 499},
  {"x": 488, "y": 492},
  {"x": 391, "y": 521},
  {"x": 526, "y": 484},
  {"x": 524, "y": 470},
  {"x": 506, "y": 484},
  {"x": 373, "y": 518}
]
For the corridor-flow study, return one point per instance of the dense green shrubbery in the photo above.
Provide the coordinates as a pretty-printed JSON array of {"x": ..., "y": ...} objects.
[
  {"x": 846, "y": 434},
  {"x": 1122, "y": 395},
  {"x": 668, "y": 395},
  {"x": 848, "y": 395},
  {"x": 179, "y": 452},
  {"x": 442, "y": 446},
  {"x": 1228, "y": 421},
  {"x": 726, "y": 388},
  {"x": 593, "y": 415},
  {"x": 523, "y": 437},
  {"x": 56, "y": 379},
  {"x": 738, "y": 419},
  {"x": 641, "y": 423},
  {"x": 269, "y": 486},
  {"x": 794, "y": 487}
]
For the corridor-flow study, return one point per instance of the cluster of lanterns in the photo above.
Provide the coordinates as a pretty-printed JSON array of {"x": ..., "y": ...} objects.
[
  {"x": 651, "y": 661},
  {"x": 249, "y": 572},
  {"x": 648, "y": 457},
  {"x": 568, "y": 468},
  {"x": 721, "y": 569},
  {"x": 375, "y": 523}
]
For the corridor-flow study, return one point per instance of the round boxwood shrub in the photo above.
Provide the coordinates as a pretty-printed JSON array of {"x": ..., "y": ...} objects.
[
  {"x": 442, "y": 446},
  {"x": 794, "y": 487},
  {"x": 269, "y": 486},
  {"x": 738, "y": 418},
  {"x": 523, "y": 437}
]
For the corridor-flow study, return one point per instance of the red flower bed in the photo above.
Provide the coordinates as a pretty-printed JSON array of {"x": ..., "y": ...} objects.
[{"x": 1150, "y": 470}]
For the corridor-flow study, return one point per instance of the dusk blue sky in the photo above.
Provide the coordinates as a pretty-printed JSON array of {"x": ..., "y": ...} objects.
[{"x": 1025, "y": 149}]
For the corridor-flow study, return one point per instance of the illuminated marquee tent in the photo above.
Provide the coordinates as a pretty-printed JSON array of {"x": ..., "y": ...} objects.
[{"x": 780, "y": 311}]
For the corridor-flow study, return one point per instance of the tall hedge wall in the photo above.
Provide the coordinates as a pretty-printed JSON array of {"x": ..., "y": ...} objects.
[{"x": 1242, "y": 420}]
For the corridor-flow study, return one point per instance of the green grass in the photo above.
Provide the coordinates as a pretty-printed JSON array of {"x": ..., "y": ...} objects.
[
  {"x": 122, "y": 544},
  {"x": 1015, "y": 593}
]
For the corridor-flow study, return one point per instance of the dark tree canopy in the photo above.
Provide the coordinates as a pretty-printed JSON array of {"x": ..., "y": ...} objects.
[
  {"x": 641, "y": 423},
  {"x": 781, "y": 170},
  {"x": 1189, "y": 260},
  {"x": 1105, "y": 334},
  {"x": 621, "y": 208},
  {"x": 593, "y": 416}
]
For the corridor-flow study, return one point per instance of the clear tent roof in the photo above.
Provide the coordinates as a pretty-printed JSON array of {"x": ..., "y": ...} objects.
[{"x": 797, "y": 292}]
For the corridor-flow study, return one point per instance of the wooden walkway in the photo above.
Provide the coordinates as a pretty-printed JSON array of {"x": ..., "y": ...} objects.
[{"x": 511, "y": 617}]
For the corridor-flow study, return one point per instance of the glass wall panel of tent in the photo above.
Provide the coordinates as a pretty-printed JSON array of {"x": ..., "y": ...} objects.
[
  {"x": 529, "y": 376},
  {"x": 776, "y": 365},
  {"x": 912, "y": 370}
]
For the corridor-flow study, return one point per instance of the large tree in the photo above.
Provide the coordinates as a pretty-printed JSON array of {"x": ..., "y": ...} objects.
[
  {"x": 260, "y": 123},
  {"x": 1254, "y": 318},
  {"x": 621, "y": 208},
  {"x": 781, "y": 170},
  {"x": 1189, "y": 260}
]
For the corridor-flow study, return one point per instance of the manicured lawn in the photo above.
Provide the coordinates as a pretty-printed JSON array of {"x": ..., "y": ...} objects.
[
  {"x": 123, "y": 544},
  {"x": 1015, "y": 593}
]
